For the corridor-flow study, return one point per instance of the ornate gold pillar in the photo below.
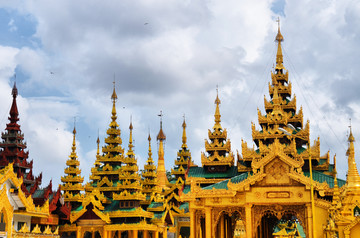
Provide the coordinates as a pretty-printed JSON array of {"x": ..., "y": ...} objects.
[
  {"x": 146, "y": 234},
  {"x": 192, "y": 223},
  {"x": 78, "y": 232},
  {"x": 248, "y": 220},
  {"x": 208, "y": 232},
  {"x": 156, "y": 234},
  {"x": 309, "y": 221},
  {"x": 221, "y": 227},
  {"x": 135, "y": 233},
  {"x": 165, "y": 233}
]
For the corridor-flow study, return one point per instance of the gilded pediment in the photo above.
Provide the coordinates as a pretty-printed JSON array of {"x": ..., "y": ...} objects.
[{"x": 276, "y": 151}]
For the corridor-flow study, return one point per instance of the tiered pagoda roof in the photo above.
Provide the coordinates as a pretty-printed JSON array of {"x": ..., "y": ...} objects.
[
  {"x": 218, "y": 156},
  {"x": 149, "y": 182},
  {"x": 105, "y": 174},
  {"x": 115, "y": 181},
  {"x": 72, "y": 181},
  {"x": 183, "y": 160},
  {"x": 282, "y": 122},
  {"x": 13, "y": 150},
  {"x": 129, "y": 179}
]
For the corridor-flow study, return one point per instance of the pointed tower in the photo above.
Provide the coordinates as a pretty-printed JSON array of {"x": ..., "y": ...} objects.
[
  {"x": 129, "y": 180},
  {"x": 105, "y": 174},
  {"x": 218, "y": 157},
  {"x": 351, "y": 194},
  {"x": 13, "y": 150},
  {"x": 149, "y": 182},
  {"x": 282, "y": 123},
  {"x": 72, "y": 187},
  {"x": 183, "y": 159},
  {"x": 161, "y": 172}
]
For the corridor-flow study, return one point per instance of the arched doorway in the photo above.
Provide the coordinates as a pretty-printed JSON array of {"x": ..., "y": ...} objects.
[
  {"x": 266, "y": 227},
  {"x": 230, "y": 224},
  {"x": 270, "y": 225}
]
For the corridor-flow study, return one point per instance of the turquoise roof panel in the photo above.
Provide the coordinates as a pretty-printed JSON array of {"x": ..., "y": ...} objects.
[
  {"x": 321, "y": 177},
  {"x": 200, "y": 172}
]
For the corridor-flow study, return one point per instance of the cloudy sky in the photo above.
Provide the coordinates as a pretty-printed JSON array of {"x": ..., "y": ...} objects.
[{"x": 169, "y": 55}]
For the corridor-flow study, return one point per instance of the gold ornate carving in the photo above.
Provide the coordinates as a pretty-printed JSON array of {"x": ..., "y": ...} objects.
[{"x": 277, "y": 172}]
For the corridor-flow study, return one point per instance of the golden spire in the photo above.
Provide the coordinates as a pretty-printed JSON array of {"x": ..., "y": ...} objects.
[
  {"x": 184, "y": 133},
  {"x": 98, "y": 146},
  {"x": 114, "y": 98},
  {"x": 217, "y": 111},
  {"x": 161, "y": 172},
  {"x": 74, "y": 144},
  {"x": 353, "y": 178},
  {"x": 279, "y": 56},
  {"x": 150, "y": 153},
  {"x": 130, "y": 137}
]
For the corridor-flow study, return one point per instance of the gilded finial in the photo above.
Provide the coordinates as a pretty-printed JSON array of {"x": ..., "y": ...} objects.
[
  {"x": 217, "y": 110},
  {"x": 114, "y": 98},
  {"x": 130, "y": 137},
  {"x": 98, "y": 138},
  {"x": 351, "y": 137},
  {"x": 131, "y": 126},
  {"x": 150, "y": 153},
  {"x": 161, "y": 136},
  {"x": 279, "y": 56},
  {"x": 184, "y": 133},
  {"x": 279, "y": 37},
  {"x": 74, "y": 133},
  {"x": 98, "y": 145}
]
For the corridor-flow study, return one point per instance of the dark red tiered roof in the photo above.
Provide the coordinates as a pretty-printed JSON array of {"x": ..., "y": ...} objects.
[{"x": 12, "y": 150}]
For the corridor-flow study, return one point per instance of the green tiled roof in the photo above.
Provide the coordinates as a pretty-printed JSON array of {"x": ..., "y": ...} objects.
[
  {"x": 320, "y": 177},
  {"x": 223, "y": 184},
  {"x": 113, "y": 206},
  {"x": 186, "y": 189},
  {"x": 159, "y": 215},
  {"x": 155, "y": 204},
  {"x": 78, "y": 208},
  {"x": 201, "y": 172},
  {"x": 185, "y": 207},
  {"x": 38, "y": 193},
  {"x": 300, "y": 150}
]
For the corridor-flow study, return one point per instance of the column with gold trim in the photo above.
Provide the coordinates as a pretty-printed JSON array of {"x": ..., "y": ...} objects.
[{"x": 208, "y": 232}]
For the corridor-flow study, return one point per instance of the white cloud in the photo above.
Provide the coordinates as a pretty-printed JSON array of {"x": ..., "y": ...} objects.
[
  {"x": 12, "y": 26},
  {"x": 173, "y": 64}
]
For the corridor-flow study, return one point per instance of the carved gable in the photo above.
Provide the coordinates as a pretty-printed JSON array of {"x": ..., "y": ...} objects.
[{"x": 277, "y": 172}]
